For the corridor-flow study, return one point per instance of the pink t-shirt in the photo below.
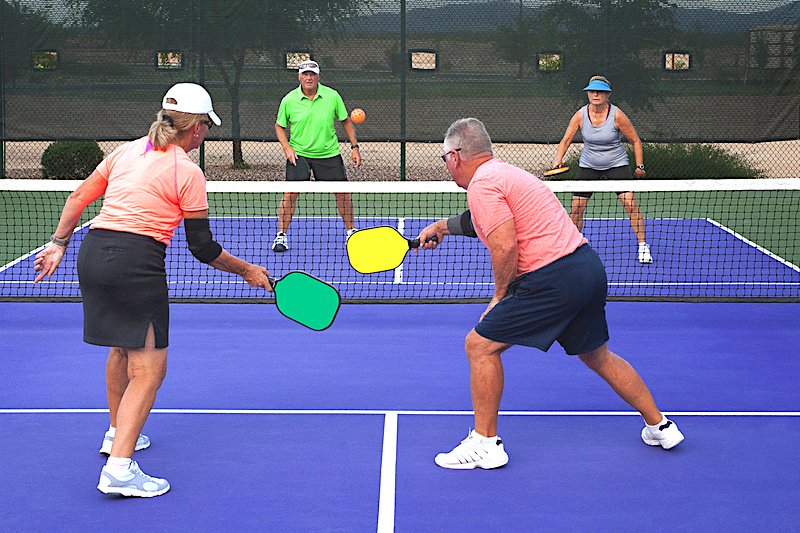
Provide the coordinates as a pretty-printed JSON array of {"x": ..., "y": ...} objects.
[
  {"x": 500, "y": 192},
  {"x": 148, "y": 190}
]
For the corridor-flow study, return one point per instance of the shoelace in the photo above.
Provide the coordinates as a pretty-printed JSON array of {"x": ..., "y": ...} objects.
[{"x": 134, "y": 468}]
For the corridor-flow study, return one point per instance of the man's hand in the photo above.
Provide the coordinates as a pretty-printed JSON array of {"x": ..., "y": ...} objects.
[
  {"x": 355, "y": 154},
  {"x": 492, "y": 303},
  {"x": 434, "y": 230},
  {"x": 291, "y": 155}
]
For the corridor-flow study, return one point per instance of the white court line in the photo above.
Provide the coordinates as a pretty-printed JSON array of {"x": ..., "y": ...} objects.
[
  {"x": 380, "y": 412},
  {"x": 388, "y": 474},
  {"x": 754, "y": 245},
  {"x": 398, "y": 272},
  {"x": 37, "y": 250}
]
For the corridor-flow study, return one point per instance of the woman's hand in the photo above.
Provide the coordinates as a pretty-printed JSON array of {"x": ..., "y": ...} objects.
[
  {"x": 257, "y": 276},
  {"x": 47, "y": 261}
]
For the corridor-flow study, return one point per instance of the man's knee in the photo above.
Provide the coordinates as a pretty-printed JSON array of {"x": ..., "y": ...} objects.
[
  {"x": 596, "y": 357},
  {"x": 477, "y": 346}
]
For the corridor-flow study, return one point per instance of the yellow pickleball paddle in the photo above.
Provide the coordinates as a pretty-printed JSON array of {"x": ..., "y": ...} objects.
[{"x": 378, "y": 249}]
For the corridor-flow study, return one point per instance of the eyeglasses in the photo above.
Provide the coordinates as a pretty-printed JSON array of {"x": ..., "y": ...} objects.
[{"x": 444, "y": 157}]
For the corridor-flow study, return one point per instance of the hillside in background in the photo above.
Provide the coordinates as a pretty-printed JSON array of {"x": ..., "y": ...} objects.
[{"x": 489, "y": 17}]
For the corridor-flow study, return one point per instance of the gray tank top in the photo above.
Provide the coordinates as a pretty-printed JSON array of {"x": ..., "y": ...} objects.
[{"x": 602, "y": 147}]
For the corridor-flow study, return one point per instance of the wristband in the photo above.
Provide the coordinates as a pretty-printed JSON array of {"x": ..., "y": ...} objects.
[
  {"x": 353, "y": 146},
  {"x": 640, "y": 166},
  {"x": 59, "y": 242}
]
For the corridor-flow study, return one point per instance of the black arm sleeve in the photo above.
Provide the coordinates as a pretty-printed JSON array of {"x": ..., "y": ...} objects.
[
  {"x": 461, "y": 225},
  {"x": 201, "y": 242}
]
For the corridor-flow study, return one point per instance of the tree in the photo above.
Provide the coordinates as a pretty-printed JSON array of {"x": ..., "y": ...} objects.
[
  {"x": 594, "y": 37},
  {"x": 23, "y": 30},
  {"x": 224, "y": 31}
]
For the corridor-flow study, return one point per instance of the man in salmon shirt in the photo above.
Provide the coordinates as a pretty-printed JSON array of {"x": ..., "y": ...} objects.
[{"x": 550, "y": 285}]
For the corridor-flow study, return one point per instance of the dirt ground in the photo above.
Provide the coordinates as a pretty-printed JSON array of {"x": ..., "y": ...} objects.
[{"x": 381, "y": 160}]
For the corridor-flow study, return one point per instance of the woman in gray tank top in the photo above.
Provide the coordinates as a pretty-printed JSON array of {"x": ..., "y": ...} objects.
[{"x": 603, "y": 155}]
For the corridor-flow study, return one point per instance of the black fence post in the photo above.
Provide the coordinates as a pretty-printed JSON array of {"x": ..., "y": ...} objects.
[
  {"x": 197, "y": 42},
  {"x": 2, "y": 97},
  {"x": 403, "y": 61}
]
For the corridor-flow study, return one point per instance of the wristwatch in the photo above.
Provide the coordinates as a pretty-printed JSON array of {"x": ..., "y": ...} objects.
[{"x": 640, "y": 166}]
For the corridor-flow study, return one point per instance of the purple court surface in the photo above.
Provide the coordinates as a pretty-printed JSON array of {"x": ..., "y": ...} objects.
[{"x": 263, "y": 425}]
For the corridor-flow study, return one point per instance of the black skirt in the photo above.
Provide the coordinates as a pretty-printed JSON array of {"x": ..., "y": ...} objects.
[{"x": 124, "y": 289}]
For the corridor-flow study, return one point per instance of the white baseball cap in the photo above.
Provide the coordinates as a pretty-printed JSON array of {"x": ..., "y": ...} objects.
[
  {"x": 308, "y": 66},
  {"x": 190, "y": 98}
]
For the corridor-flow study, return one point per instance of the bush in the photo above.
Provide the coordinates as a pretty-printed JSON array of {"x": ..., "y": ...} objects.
[
  {"x": 71, "y": 160},
  {"x": 684, "y": 161}
]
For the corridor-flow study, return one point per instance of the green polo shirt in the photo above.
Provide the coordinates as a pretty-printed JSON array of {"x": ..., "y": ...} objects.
[{"x": 312, "y": 131}]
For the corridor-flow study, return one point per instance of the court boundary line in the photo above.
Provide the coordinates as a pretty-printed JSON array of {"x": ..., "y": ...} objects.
[
  {"x": 388, "y": 492},
  {"x": 758, "y": 247},
  {"x": 398, "y": 272},
  {"x": 36, "y": 250},
  {"x": 384, "y": 412}
]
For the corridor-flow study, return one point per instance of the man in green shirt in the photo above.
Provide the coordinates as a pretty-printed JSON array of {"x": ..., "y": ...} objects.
[{"x": 310, "y": 112}]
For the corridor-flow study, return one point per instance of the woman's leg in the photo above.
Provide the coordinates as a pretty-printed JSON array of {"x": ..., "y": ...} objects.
[{"x": 146, "y": 368}]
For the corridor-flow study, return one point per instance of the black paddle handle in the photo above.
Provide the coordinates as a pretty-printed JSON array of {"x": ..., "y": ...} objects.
[{"x": 415, "y": 243}]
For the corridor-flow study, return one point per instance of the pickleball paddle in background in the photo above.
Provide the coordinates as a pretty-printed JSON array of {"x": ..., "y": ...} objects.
[
  {"x": 555, "y": 171},
  {"x": 378, "y": 249},
  {"x": 306, "y": 300}
]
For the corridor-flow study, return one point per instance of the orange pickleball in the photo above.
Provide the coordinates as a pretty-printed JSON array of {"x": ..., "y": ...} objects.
[{"x": 358, "y": 115}]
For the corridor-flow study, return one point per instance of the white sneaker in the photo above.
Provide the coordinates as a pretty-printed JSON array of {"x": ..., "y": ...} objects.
[
  {"x": 644, "y": 253},
  {"x": 667, "y": 435},
  {"x": 133, "y": 483},
  {"x": 281, "y": 243},
  {"x": 476, "y": 451},
  {"x": 142, "y": 443}
]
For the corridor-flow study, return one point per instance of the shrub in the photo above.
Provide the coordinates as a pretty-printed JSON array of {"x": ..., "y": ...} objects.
[
  {"x": 71, "y": 160},
  {"x": 684, "y": 161}
]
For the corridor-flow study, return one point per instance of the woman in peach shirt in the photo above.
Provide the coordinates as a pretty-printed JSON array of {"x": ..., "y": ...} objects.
[{"x": 149, "y": 185}]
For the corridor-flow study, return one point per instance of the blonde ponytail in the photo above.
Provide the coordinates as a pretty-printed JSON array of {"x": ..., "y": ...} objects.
[{"x": 171, "y": 126}]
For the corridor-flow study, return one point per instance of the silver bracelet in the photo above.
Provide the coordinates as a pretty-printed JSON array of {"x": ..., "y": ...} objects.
[{"x": 59, "y": 242}]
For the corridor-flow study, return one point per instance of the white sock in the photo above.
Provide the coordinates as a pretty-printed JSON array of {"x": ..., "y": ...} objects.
[
  {"x": 663, "y": 421},
  {"x": 112, "y": 431},
  {"x": 492, "y": 440},
  {"x": 643, "y": 245},
  {"x": 118, "y": 466}
]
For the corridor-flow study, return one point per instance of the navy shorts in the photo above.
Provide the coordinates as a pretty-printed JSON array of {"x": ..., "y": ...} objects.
[
  {"x": 325, "y": 169},
  {"x": 124, "y": 289},
  {"x": 590, "y": 174},
  {"x": 564, "y": 301}
]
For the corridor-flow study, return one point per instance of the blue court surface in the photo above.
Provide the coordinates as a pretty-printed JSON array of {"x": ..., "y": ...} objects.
[
  {"x": 263, "y": 425},
  {"x": 693, "y": 258}
]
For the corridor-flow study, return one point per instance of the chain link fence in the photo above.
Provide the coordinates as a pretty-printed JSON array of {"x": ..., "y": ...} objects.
[{"x": 722, "y": 72}]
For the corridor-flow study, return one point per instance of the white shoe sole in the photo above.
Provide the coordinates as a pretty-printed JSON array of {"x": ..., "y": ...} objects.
[
  {"x": 132, "y": 493},
  {"x": 486, "y": 465}
]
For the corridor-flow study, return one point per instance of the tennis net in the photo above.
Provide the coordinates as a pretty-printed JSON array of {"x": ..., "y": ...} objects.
[{"x": 729, "y": 240}]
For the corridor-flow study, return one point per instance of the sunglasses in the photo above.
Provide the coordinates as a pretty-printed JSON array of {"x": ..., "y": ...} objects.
[{"x": 444, "y": 157}]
